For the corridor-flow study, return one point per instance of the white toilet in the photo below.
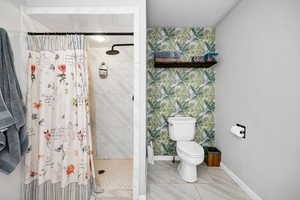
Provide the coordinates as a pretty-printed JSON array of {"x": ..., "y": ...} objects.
[{"x": 190, "y": 153}]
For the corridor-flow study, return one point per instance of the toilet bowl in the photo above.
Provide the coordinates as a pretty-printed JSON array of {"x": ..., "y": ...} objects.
[{"x": 190, "y": 153}]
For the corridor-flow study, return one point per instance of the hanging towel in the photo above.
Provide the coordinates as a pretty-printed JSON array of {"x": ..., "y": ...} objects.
[
  {"x": 6, "y": 120},
  {"x": 13, "y": 138}
]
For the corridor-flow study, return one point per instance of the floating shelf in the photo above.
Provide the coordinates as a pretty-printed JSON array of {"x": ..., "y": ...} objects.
[{"x": 184, "y": 64}]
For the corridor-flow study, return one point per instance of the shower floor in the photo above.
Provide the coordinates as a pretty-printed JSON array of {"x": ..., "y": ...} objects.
[{"x": 116, "y": 180}]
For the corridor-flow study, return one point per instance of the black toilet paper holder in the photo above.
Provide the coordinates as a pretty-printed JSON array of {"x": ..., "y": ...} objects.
[{"x": 243, "y": 132}]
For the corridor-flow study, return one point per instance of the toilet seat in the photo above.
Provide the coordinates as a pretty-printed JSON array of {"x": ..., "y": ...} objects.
[{"x": 190, "y": 148}]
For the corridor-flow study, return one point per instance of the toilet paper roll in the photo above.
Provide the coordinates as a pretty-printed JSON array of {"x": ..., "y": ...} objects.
[{"x": 236, "y": 130}]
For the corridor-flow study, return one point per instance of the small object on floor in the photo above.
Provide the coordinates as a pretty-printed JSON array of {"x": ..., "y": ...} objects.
[
  {"x": 93, "y": 197},
  {"x": 150, "y": 153},
  {"x": 101, "y": 171},
  {"x": 212, "y": 156},
  {"x": 98, "y": 189},
  {"x": 173, "y": 161}
]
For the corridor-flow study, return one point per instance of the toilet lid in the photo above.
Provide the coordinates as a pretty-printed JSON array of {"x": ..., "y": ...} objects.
[{"x": 190, "y": 148}]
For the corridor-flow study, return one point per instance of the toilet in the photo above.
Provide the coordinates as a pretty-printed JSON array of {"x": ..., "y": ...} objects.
[{"x": 190, "y": 153}]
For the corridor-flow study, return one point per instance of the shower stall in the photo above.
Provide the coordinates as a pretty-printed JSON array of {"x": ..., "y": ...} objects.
[
  {"x": 112, "y": 111},
  {"x": 114, "y": 94}
]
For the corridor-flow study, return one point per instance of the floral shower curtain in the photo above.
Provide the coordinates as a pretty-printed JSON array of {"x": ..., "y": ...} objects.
[{"x": 58, "y": 165}]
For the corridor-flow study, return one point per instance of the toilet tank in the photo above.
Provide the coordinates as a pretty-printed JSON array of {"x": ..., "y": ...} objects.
[{"x": 181, "y": 128}]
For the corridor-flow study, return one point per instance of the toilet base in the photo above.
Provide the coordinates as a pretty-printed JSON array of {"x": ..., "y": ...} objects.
[{"x": 187, "y": 172}]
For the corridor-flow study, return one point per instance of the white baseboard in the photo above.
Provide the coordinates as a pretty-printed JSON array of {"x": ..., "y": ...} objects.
[
  {"x": 243, "y": 185},
  {"x": 236, "y": 179},
  {"x": 142, "y": 197},
  {"x": 165, "y": 158}
]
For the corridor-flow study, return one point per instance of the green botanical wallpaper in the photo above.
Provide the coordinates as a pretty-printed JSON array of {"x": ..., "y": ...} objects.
[{"x": 178, "y": 91}]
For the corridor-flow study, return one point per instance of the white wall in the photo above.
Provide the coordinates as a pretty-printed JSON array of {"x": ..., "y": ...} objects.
[
  {"x": 118, "y": 6},
  {"x": 258, "y": 85},
  {"x": 113, "y": 101},
  {"x": 10, "y": 19},
  {"x": 10, "y": 185},
  {"x": 140, "y": 84}
]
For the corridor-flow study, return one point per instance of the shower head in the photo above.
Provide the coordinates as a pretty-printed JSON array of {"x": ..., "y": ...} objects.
[{"x": 114, "y": 51}]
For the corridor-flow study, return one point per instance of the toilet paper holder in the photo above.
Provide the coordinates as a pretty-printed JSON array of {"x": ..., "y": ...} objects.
[{"x": 243, "y": 132}]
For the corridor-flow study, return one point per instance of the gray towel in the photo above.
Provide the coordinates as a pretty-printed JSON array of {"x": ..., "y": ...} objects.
[
  {"x": 13, "y": 138},
  {"x": 6, "y": 120},
  {"x": 167, "y": 54}
]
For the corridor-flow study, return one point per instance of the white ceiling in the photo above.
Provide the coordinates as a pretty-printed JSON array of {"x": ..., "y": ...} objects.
[
  {"x": 86, "y": 23},
  {"x": 187, "y": 13},
  {"x": 80, "y": 2},
  {"x": 178, "y": 13},
  {"x": 90, "y": 23}
]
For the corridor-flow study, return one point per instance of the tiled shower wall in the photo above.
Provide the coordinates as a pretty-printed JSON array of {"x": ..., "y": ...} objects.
[{"x": 112, "y": 103}]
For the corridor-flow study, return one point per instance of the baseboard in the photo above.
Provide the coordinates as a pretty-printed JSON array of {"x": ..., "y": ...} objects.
[
  {"x": 165, "y": 158},
  {"x": 142, "y": 197},
  {"x": 243, "y": 185}
]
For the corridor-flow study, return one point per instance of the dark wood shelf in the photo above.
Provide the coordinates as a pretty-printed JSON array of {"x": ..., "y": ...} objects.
[{"x": 184, "y": 64}]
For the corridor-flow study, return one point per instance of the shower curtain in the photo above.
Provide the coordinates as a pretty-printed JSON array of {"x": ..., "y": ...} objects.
[{"x": 58, "y": 164}]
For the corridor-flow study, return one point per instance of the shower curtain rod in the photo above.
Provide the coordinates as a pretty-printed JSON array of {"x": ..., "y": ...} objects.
[{"x": 82, "y": 33}]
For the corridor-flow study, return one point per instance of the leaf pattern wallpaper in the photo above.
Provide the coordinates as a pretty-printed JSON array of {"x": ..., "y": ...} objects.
[{"x": 178, "y": 91}]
